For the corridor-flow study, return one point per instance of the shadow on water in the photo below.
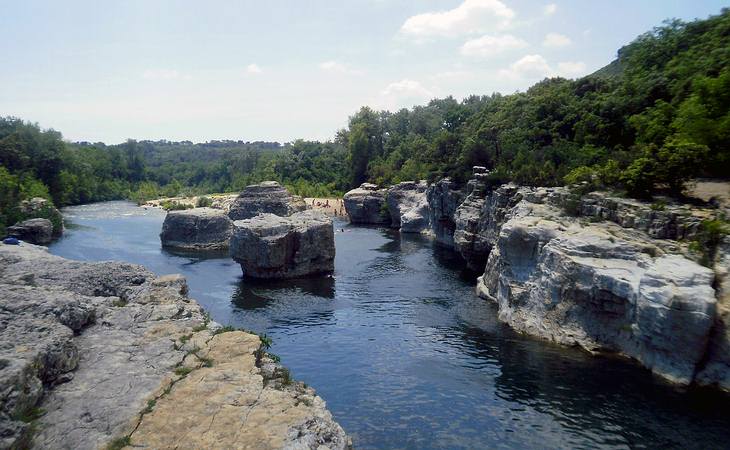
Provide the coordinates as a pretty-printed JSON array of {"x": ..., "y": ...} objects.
[{"x": 254, "y": 294}]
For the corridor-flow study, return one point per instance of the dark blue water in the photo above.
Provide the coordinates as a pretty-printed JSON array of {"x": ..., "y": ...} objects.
[{"x": 406, "y": 355}]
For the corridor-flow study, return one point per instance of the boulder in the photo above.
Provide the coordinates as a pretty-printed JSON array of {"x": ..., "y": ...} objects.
[
  {"x": 205, "y": 229},
  {"x": 267, "y": 197},
  {"x": 443, "y": 198},
  {"x": 36, "y": 231},
  {"x": 38, "y": 207},
  {"x": 601, "y": 287},
  {"x": 271, "y": 246},
  {"x": 366, "y": 205},
  {"x": 408, "y": 206}
]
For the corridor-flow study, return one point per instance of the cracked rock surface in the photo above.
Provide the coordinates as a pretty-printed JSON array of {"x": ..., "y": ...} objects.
[{"x": 85, "y": 347}]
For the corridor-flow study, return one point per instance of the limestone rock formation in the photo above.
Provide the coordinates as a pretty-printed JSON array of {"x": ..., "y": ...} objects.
[
  {"x": 87, "y": 351},
  {"x": 716, "y": 370},
  {"x": 270, "y": 246},
  {"x": 367, "y": 205},
  {"x": 408, "y": 206},
  {"x": 601, "y": 287},
  {"x": 36, "y": 231},
  {"x": 267, "y": 197},
  {"x": 443, "y": 198},
  {"x": 204, "y": 229}
]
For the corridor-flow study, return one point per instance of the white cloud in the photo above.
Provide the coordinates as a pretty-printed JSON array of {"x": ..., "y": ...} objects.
[
  {"x": 253, "y": 69},
  {"x": 550, "y": 9},
  {"x": 472, "y": 16},
  {"x": 452, "y": 75},
  {"x": 404, "y": 93},
  {"x": 491, "y": 45},
  {"x": 555, "y": 40},
  {"x": 535, "y": 67},
  {"x": 163, "y": 74},
  {"x": 571, "y": 69},
  {"x": 336, "y": 67}
]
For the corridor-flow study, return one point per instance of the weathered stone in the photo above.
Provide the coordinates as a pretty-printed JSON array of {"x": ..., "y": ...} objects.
[
  {"x": 600, "y": 287},
  {"x": 443, "y": 198},
  {"x": 93, "y": 344},
  {"x": 267, "y": 197},
  {"x": 203, "y": 229},
  {"x": 270, "y": 246},
  {"x": 367, "y": 205},
  {"x": 36, "y": 231},
  {"x": 716, "y": 370},
  {"x": 479, "y": 218},
  {"x": 40, "y": 207},
  {"x": 408, "y": 206}
]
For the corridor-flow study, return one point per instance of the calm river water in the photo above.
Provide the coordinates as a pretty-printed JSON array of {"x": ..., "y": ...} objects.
[{"x": 407, "y": 356}]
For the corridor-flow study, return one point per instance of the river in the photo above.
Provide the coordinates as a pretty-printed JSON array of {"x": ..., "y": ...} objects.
[{"x": 407, "y": 356}]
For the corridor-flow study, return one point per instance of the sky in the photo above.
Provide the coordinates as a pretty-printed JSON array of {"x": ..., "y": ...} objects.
[{"x": 284, "y": 70}]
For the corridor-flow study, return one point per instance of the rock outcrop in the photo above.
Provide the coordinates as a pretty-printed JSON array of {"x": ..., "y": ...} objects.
[
  {"x": 267, "y": 197},
  {"x": 270, "y": 246},
  {"x": 197, "y": 229},
  {"x": 93, "y": 354},
  {"x": 443, "y": 198},
  {"x": 367, "y": 205},
  {"x": 408, "y": 206},
  {"x": 601, "y": 287},
  {"x": 36, "y": 231}
]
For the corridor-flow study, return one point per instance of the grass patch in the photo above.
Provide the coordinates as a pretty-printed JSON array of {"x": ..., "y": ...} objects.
[
  {"x": 183, "y": 371},
  {"x": 120, "y": 302},
  {"x": 150, "y": 406},
  {"x": 119, "y": 443}
]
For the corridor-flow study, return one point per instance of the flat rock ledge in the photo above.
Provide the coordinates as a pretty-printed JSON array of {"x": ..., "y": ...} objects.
[
  {"x": 107, "y": 354},
  {"x": 268, "y": 197},
  {"x": 273, "y": 247},
  {"x": 197, "y": 229}
]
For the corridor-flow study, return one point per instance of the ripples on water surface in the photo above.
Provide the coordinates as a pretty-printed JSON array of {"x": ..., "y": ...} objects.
[{"x": 406, "y": 355}]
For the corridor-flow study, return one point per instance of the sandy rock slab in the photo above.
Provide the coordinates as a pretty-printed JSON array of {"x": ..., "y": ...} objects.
[{"x": 227, "y": 401}]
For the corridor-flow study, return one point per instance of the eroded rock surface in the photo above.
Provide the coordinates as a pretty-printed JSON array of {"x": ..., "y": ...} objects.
[
  {"x": 443, "y": 198},
  {"x": 36, "y": 231},
  {"x": 97, "y": 345},
  {"x": 367, "y": 205},
  {"x": 268, "y": 197},
  {"x": 408, "y": 206},
  {"x": 198, "y": 229},
  {"x": 601, "y": 287},
  {"x": 270, "y": 246}
]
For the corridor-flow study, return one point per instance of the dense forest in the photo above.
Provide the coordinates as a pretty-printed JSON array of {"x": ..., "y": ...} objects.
[{"x": 652, "y": 119}]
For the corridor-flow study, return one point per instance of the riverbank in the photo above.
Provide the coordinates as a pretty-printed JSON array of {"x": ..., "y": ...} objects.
[{"x": 146, "y": 348}]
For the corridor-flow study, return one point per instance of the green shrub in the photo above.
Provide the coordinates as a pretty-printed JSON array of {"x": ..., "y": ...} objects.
[{"x": 203, "y": 202}]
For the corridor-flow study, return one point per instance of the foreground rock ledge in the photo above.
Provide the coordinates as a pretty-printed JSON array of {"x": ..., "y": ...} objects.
[
  {"x": 113, "y": 354},
  {"x": 269, "y": 246},
  {"x": 197, "y": 229}
]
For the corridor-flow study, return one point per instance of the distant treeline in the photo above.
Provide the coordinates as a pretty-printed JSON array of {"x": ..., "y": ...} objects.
[{"x": 652, "y": 119}]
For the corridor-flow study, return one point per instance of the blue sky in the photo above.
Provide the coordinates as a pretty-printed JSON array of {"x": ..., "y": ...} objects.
[{"x": 282, "y": 70}]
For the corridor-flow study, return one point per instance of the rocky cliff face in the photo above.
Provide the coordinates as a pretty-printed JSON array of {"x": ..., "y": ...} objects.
[
  {"x": 197, "y": 229},
  {"x": 268, "y": 197},
  {"x": 269, "y": 246},
  {"x": 602, "y": 288},
  {"x": 99, "y": 353},
  {"x": 599, "y": 271},
  {"x": 367, "y": 205},
  {"x": 36, "y": 231},
  {"x": 408, "y": 206},
  {"x": 443, "y": 198}
]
